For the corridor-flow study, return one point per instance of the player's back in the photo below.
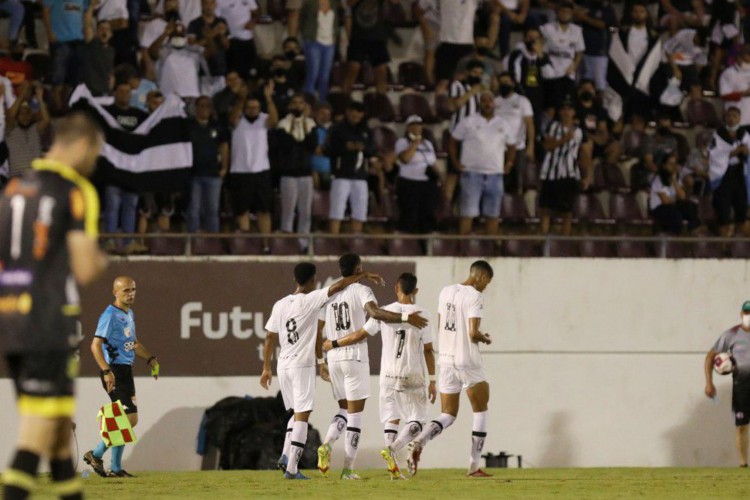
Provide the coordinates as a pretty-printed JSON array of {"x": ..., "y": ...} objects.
[
  {"x": 458, "y": 303},
  {"x": 345, "y": 314},
  {"x": 39, "y": 301},
  {"x": 295, "y": 319},
  {"x": 402, "y": 363}
]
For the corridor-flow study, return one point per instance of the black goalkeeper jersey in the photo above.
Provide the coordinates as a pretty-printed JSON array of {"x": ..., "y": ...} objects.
[{"x": 39, "y": 302}]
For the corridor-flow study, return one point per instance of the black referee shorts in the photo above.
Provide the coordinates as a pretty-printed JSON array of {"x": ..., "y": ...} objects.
[{"x": 124, "y": 390}]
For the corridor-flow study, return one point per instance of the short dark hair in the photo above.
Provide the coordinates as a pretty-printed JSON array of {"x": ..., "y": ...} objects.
[
  {"x": 290, "y": 39},
  {"x": 304, "y": 272},
  {"x": 474, "y": 63},
  {"x": 508, "y": 74},
  {"x": 407, "y": 282},
  {"x": 484, "y": 266},
  {"x": 566, "y": 4},
  {"x": 584, "y": 81},
  {"x": 78, "y": 125},
  {"x": 356, "y": 106},
  {"x": 348, "y": 263}
]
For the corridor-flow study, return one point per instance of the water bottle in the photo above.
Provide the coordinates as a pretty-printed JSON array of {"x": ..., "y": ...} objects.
[{"x": 85, "y": 474}]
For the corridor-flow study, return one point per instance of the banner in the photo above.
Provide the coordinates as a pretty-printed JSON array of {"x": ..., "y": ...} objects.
[{"x": 156, "y": 156}]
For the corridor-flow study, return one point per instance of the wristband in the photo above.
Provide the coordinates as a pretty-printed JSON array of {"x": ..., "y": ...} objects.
[
  {"x": 404, "y": 317},
  {"x": 321, "y": 361},
  {"x": 106, "y": 372},
  {"x": 148, "y": 361},
  {"x": 335, "y": 343},
  {"x": 432, "y": 378}
]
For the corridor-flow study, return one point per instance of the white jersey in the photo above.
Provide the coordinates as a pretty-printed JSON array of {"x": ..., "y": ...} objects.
[
  {"x": 736, "y": 79},
  {"x": 402, "y": 364},
  {"x": 458, "y": 303},
  {"x": 561, "y": 46},
  {"x": 345, "y": 314},
  {"x": 295, "y": 319}
]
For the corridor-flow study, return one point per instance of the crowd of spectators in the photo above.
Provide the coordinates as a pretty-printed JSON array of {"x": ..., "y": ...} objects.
[{"x": 591, "y": 98}]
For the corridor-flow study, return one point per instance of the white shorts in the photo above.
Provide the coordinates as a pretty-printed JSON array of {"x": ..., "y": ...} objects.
[
  {"x": 350, "y": 379},
  {"x": 453, "y": 380},
  {"x": 298, "y": 388},
  {"x": 355, "y": 192},
  {"x": 409, "y": 405}
]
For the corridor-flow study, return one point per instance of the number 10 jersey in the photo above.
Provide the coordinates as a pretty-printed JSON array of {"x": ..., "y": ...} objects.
[{"x": 345, "y": 314}]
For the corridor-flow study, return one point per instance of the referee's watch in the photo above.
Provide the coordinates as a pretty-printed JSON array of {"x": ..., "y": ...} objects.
[{"x": 106, "y": 372}]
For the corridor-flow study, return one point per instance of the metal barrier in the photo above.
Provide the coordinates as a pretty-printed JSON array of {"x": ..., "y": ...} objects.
[{"x": 543, "y": 243}]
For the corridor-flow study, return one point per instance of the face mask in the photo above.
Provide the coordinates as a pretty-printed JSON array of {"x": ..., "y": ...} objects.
[
  {"x": 662, "y": 130},
  {"x": 505, "y": 90},
  {"x": 530, "y": 46},
  {"x": 297, "y": 112},
  {"x": 178, "y": 42},
  {"x": 733, "y": 128},
  {"x": 746, "y": 321},
  {"x": 586, "y": 96},
  {"x": 474, "y": 80},
  {"x": 279, "y": 73},
  {"x": 290, "y": 54},
  {"x": 251, "y": 119}
]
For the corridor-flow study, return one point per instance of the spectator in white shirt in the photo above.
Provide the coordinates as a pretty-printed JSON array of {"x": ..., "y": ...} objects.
[
  {"x": 517, "y": 110},
  {"x": 686, "y": 54},
  {"x": 564, "y": 45},
  {"x": 734, "y": 85},
  {"x": 487, "y": 153},
  {"x": 179, "y": 64},
  {"x": 456, "y": 35},
  {"x": 668, "y": 202},
  {"x": 416, "y": 188},
  {"x": 241, "y": 16},
  {"x": 153, "y": 30}
]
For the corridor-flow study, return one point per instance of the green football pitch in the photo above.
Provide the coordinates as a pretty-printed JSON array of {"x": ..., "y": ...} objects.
[{"x": 432, "y": 483}]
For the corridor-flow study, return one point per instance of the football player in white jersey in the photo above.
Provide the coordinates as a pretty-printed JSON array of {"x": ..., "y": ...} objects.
[
  {"x": 295, "y": 317},
  {"x": 461, "y": 367},
  {"x": 348, "y": 367},
  {"x": 407, "y": 351}
]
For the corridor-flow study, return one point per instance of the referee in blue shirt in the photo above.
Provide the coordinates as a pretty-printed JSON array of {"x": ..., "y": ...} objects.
[{"x": 115, "y": 347}]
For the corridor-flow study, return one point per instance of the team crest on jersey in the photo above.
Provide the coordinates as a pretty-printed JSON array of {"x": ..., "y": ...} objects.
[{"x": 127, "y": 332}]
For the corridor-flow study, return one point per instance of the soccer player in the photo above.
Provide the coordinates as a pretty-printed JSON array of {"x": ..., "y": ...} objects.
[
  {"x": 48, "y": 245},
  {"x": 734, "y": 341},
  {"x": 459, "y": 316},
  {"x": 295, "y": 317},
  {"x": 348, "y": 367},
  {"x": 115, "y": 347},
  {"x": 406, "y": 352}
]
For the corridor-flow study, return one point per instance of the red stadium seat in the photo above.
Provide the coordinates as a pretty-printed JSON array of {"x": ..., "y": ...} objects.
[
  {"x": 601, "y": 249},
  {"x": 558, "y": 248},
  {"x": 166, "y": 246},
  {"x": 614, "y": 178},
  {"x": 706, "y": 212},
  {"x": 366, "y": 246},
  {"x": 416, "y": 104},
  {"x": 207, "y": 246},
  {"x": 285, "y": 246},
  {"x": 632, "y": 249},
  {"x": 677, "y": 250},
  {"x": 520, "y": 248},
  {"x": 328, "y": 246},
  {"x": 445, "y": 248},
  {"x": 406, "y": 248},
  {"x": 379, "y": 106},
  {"x": 633, "y": 142},
  {"x": 411, "y": 74},
  {"x": 530, "y": 176},
  {"x": 384, "y": 139},
  {"x": 514, "y": 208},
  {"x": 477, "y": 248},
  {"x": 739, "y": 249},
  {"x": 428, "y": 134},
  {"x": 239, "y": 245},
  {"x": 624, "y": 209},
  {"x": 588, "y": 208},
  {"x": 443, "y": 107},
  {"x": 337, "y": 74},
  {"x": 708, "y": 250}
]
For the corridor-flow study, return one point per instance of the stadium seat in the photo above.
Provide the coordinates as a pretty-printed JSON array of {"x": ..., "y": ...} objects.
[
  {"x": 366, "y": 246},
  {"x": 384, "y": 209},
  {"x": 520, "y": 248},
  {"x": 559, "y": 248},
  {"x": 338, "y": 101},
  {"x": 41, "y": 64},
  {"x": 166, "y": 246},
  {"x": 239, "y": 245},
  {"x": 328, "y": 246},
  {"x": 416, "y": 104},
  {"x": 683, "y": 148},
  {"x": 207, "y": 246},
  {"x": 379, "y": 106},
  {"x": 443, "y": 107},
  {"x": 406, "y": 248},
  {"x": 624, "y": 209},
  {"x": 337, "y": 75},
  {"x": 411, "y": 74},
  {"x": 677, "y": 250},
  {"x": 632, "y": 249},
  {"x": 600, "y": 181},
  {"x": 601, "y": 249},
  {"x": 708, "y": 250},
  {"x": 702, "y": 112},
  {"x": 514, "y": 208},
  {"x": 276, "y": 9},
  {"x": 739, "y": 249},
  {"x": 366, "y": 77},
  {"x": 384, "y": 139},
  {"x": 428, "y": 134},
  {"x": 477, "y": 248},
  {"x": 633, "y": 142},
  {"x": 285, "y": 246},
  {"x": 321, "y": 205},
  {"x": 588, "y": 208},
  {"x": 530, "y": 177},
  {"x": 706, "y": 212},
  {"x": 614, "y": 178},
  {"x": 445, "y": 248}
]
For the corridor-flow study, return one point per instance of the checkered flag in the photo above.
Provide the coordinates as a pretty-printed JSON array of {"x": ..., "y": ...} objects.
[{"x": 114, "y": 425}]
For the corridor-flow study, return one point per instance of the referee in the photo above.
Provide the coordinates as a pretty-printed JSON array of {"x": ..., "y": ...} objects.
[
  {"x": 115, "y": 347},
  {"x": 48, "y": 230}
]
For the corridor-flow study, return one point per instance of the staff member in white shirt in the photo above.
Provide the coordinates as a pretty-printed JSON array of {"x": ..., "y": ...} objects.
[
  {"x": 416, "y": 187},
  {"x": 734, "y": 85},
  {"x": 241, "y": 15},
  {"x": 487, "y": 152},
  {"x": 517, "y": 110},
  {"x": 564, "y": 45},
  {"x": 250, "y": 169}
]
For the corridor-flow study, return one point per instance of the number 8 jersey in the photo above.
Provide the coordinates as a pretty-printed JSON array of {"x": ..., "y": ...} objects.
[
  {"x": 295, "y": 319},
  {"x": 345, "y": 314}
]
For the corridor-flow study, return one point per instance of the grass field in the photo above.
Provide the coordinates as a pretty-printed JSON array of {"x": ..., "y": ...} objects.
[{"x": 434, "y": 483}]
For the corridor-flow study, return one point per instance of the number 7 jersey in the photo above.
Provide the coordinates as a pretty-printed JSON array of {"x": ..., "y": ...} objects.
[{"x": 458, "y": 303}]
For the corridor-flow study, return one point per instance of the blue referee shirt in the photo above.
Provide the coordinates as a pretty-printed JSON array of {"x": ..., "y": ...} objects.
[{"x": 117, "y": 328}]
